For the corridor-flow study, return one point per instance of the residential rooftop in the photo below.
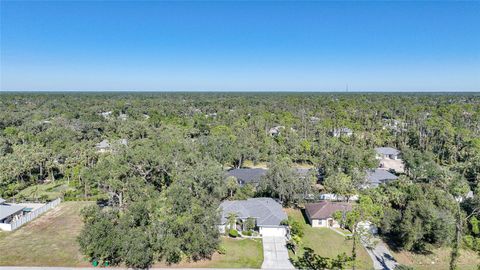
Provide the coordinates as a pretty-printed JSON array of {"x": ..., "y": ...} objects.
[
  {"x": 245, "y": 176},
  {"x": 266, "y": 211},
  {"x": 325, "y": 209},
  {"x": 379, "y": 176},
  {"x": 387, "y": 151},
  {"x": 7, "y": 210}
]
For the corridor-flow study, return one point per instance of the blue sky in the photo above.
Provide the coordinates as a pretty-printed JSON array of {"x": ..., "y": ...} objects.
[{"x": 240, "y": 46}]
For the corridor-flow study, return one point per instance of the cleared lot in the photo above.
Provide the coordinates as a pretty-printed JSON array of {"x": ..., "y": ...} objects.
[{"x": 50, "y": 240}]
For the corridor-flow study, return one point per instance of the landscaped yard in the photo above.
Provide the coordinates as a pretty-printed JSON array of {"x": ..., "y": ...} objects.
[
  {"x": 50, "y": 240},
  {"x": 245, "y": 253},
  {"x": 327, "y": 243},
  {"x": 439, "y": 259}
]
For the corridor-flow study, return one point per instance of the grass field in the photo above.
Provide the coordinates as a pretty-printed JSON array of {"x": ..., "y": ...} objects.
[
  {"x": 439, "y": 259},
  {"x": 325, "y": 242},
  {"x": 50, "y": 240}
]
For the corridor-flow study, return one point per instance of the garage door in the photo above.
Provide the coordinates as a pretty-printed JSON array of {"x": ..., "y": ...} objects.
[{"x": 272, "y": 231}]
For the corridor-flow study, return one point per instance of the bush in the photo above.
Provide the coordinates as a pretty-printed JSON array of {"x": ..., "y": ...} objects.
[
  {"x": 233, "y": 233},
  {"x": 247, "y": 233},
  {"x": 296, "y": 228},
  {"x": 222, "y": 250}
]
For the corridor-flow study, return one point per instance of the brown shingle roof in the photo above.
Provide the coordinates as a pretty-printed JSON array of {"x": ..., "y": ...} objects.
[{"x": 325, "y": 209}]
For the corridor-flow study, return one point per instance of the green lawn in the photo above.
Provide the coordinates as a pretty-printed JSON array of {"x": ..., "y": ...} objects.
[
  {"x": 49, "y": 240},
  {"x": 240, "y": 253},
  {"x": 50, "y": 191},
  {"x": 244, "y": 253},
  {"x": 327, "y": 243}
]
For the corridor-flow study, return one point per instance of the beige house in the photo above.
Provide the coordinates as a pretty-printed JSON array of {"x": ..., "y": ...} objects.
[{"x": 320, "y": 214}]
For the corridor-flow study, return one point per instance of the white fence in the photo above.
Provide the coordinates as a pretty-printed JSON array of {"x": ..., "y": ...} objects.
[{"x": 33, "y": 215}]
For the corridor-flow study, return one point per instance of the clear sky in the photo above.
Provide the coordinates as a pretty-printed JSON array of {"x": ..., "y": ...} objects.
[{"x": 238, "y": 46}]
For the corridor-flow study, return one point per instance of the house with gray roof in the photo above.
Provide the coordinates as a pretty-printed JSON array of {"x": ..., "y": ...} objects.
[
  {"x": 376, "y": 177},
  {"x": 267, "y": 213},
  {"x": 247, "y": 176},
  {"x": 387, "y": 153},
  {"x": 9, "y": 212},
  {"x": 390, "y": 159}
]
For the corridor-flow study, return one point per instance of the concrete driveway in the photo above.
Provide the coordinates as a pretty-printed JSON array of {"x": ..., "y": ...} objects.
[
  {"x": 275, "y": 253},
  {"x": 381, "y": 257}
]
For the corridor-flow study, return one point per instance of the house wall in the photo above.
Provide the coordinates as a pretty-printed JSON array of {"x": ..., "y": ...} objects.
[
  {"x": 5, "y": 227},
  {"x": 12, "y": 217},
  {"x": 324, "y": 223}
]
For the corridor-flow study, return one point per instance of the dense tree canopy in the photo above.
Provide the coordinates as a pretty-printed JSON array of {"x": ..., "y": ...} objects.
[{"x": 166, "y": 156}]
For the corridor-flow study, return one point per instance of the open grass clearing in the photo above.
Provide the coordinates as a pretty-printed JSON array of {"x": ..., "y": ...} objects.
[
  {"x": 327, "y": 243},
  {"x": 438, "y": 259},
  {"x": 49, "y": 240}
]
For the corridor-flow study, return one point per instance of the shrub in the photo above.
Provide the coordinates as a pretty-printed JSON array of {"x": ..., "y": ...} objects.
[
  {"x": 247, "y": 233},
  {"x": 233, "y": 233},
  {"x": 221, "y": 250}
]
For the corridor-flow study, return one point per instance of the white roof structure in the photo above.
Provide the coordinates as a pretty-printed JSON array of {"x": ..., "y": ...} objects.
[{"x": 2, "y": 200}]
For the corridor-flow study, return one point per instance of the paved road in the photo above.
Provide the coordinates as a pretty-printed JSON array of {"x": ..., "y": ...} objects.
[
  {"x": 275, "y": 253},
  {"x": 382, "y": 258}
]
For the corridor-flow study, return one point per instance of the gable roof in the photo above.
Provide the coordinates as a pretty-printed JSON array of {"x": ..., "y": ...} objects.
[
  {"x": 245, "y": 176},
  {"x": 379, "y": 176},
  {"x": 266, "y": 210},
  {"x": 7, "y": 210},
  {"x": 325, "y": 209},
  {"x": 387, "y": 151}
]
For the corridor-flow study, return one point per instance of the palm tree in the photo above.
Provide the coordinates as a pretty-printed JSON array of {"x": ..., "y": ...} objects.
[{"x": 232, "y": 219}]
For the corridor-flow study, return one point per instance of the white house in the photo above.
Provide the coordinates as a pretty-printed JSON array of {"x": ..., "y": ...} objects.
[
  {"x": 387, "y": 153},
  {"x": 339, "y": 132},
  {"x": 321, "y": 214},
  {"x": 267, "y": 213},
  {"x": 9, "y": 213}
]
